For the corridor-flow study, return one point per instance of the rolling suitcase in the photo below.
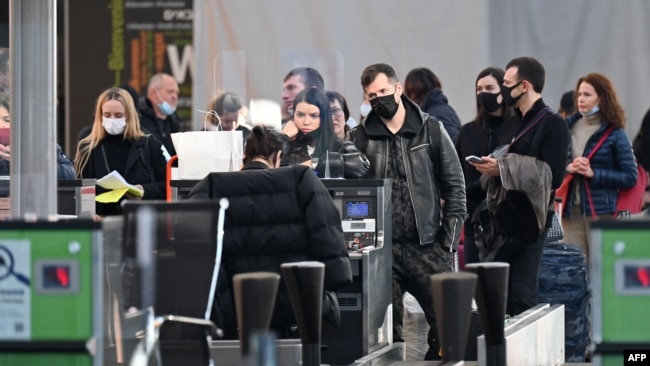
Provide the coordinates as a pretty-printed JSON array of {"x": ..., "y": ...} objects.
[{"x": 563, "y": 279}]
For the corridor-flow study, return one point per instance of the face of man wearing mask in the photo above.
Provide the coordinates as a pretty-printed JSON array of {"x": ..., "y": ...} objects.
[
  {"x": 513, "y": 88},
  {"x": 384, "y": 96},
  {"x": 167, "y": 95}
]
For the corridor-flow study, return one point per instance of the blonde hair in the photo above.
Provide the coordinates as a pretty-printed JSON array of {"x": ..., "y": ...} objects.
[{"x": 97, "y": 134}]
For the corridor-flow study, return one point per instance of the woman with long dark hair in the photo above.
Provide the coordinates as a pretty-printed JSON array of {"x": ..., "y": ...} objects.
[
  {"x": 313, "y": 119},
  {"x": 492, "y": 126}
]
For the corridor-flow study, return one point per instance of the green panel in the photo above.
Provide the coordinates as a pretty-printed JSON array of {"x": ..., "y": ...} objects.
[
  {"x": 612, "y": 360},
  {"x": 49, "y": 359},
  {"x": 57, "y": 316},
  {"x": 625, "y": 316}
]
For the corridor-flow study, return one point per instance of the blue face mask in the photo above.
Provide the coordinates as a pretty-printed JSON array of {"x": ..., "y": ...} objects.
[
  {"x": 593, "y": 111},
  {"x": 165, "y": 107}
]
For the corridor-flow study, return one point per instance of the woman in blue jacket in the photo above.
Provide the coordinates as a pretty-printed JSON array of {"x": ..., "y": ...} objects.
[{"x": 612, "y": 167}]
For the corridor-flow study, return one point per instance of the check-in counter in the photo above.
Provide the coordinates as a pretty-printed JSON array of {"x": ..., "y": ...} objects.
[
  {"x": 76, "y": 197},
  {"x": 181, "y": 188},
  {"x": 366, "y": 310}
]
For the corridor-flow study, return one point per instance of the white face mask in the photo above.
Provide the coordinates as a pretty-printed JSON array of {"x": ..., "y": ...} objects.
[
  {"x": 114, "y": 126},
  {"x": 365, "y": 109}
]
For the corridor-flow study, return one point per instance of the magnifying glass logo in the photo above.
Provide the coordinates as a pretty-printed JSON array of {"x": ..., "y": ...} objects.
[{"x": 7, "y": 266}]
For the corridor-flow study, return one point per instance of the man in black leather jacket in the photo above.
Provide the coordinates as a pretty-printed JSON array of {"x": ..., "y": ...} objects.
[{"x": 408, "y": 146}]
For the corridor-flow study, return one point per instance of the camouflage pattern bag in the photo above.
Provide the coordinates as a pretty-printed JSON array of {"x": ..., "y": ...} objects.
[{"x": 563, "y": 279}]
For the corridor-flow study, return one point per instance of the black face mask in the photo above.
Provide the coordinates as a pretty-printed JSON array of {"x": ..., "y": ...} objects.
[
  {"x": 508, "y": 99},
  {"x": 488, "y": 101},
  {"x": 385, "y": 106},
  {"x": 307, "y": 138}
]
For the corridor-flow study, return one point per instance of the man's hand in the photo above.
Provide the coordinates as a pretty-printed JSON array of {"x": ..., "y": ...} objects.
[{"x": 489, "y": 166}]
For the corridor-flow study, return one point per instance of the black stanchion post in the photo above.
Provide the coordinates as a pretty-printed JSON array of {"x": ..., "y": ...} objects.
[
  {"x": 304, "y": 281},
  {"x": 491, "y": 297},
  {"x": 255, "y": 294},
  {"x": 452, "y": 302}
]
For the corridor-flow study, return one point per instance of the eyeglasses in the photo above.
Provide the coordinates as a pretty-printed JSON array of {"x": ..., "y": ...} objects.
[{"x": 337, "y": 112}]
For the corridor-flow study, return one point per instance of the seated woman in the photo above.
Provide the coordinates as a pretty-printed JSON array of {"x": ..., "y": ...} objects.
[
  {"x": 312, "y": 131},
  {"x": 116, "y": 142},
  {"x": 275, "y": 216}
]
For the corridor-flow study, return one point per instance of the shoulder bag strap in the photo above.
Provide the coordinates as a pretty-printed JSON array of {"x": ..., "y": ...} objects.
[
  {"x": 607, "y": 132},
  {"x": 146, "y": 158},
  {"x": 538, "y": 117},
  {"x": 108, "y": 170}
]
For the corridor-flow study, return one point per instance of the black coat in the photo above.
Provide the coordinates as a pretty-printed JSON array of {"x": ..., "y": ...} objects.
[
  {"x": 437, "y": 105},
  {"x": 481, "y": 138},
  {"x": 547, "y": 141},
  {"x": 276, "y": 216},
  {"x": 137, "y": 169},
  {"x": 160, "y": 129},
  {"x": 432, "y": 168}
]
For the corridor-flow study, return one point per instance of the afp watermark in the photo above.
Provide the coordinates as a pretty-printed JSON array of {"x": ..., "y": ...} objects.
[{"x": 636, "y": 357}]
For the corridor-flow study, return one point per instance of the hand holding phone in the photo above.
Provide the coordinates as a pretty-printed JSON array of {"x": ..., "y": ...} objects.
[{"x": 474, "y": 159}]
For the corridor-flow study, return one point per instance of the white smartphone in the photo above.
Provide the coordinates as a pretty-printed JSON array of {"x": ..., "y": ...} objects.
[{"x": 474, "y": 159}]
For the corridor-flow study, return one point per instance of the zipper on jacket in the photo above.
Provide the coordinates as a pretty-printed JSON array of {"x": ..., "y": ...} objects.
[
  {"x": 407, "y": 168},
  {"x": 453, "y": 235}
]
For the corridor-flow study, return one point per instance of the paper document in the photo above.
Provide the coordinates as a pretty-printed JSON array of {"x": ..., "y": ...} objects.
[{"x": 114, "y": 182}]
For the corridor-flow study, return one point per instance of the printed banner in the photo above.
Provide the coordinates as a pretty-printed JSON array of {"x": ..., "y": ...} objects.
[{"x": 126, "y": 42}]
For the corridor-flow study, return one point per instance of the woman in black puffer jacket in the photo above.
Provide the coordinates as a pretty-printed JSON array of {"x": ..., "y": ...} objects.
[{"x": 275, "y": 216}]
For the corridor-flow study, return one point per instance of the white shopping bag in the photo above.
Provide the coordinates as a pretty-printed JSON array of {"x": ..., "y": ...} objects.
[{"x": 203, "y": 152}]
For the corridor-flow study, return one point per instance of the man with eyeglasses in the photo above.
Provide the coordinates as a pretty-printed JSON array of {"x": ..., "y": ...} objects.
[{"x": 410, "y": 147}]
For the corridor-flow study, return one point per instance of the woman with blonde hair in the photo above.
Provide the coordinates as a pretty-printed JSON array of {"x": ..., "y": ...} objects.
[{"x": 116, "y": 142}]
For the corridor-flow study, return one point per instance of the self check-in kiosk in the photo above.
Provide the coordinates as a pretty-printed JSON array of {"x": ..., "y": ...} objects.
[
  {"x": 366, "y": 304},
  {"x": 366, "y": 310},
  {"x": 51, "y": 293}
]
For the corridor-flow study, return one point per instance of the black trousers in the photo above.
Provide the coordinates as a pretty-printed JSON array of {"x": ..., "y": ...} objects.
[
  {"x": 413, "y": 264},
  {"x": 523, "y": 279},
  {"x": 471, "y": 251}
]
